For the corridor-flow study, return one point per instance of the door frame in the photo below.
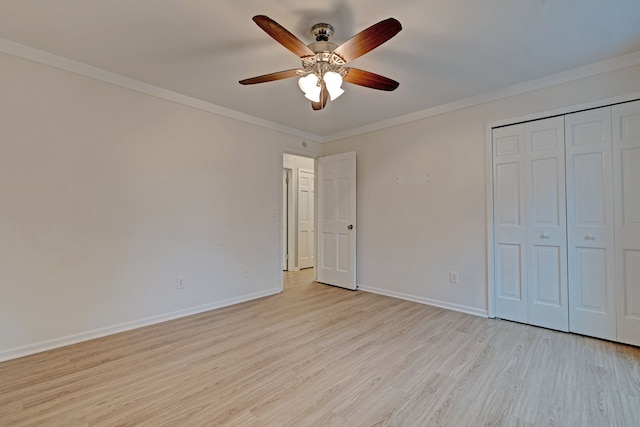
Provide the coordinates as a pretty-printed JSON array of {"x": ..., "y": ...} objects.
[
  {"x": 300, "y": 153},
  {"x": 488, "y": 146},
  {"x": 287, "y": 220}
]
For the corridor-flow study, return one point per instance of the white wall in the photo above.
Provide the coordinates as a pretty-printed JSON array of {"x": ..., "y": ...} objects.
[
  {"x": 411, "y": 236},
  {"x": 107, "y": 195}
]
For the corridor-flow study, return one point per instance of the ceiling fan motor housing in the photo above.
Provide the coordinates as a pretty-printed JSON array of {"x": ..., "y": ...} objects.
[
  {"x": 322, "y": 32},
  {"x": 324, "y": 59}
]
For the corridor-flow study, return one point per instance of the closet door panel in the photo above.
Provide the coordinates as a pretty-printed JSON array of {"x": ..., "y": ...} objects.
[
  {"x": 509, "y": 265},
  {"x": 631, "y": 185},
  {"x": 626, "y": 160},
  {"x": 590, "y": 223},
  {"x": 631, "y": 288},
  {"x": 546, "y": 224},
  {"x": 509, "y": 223},
  {"x": 589, "y": 294},
  {"x": 546, "y": 276},
  {"x": 508, "y": 192},
  {"x": 589, "y": 176},
  {"x": 545, "y": 192}
]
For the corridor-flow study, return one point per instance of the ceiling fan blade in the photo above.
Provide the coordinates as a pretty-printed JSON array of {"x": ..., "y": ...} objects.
[
  {"x": 368, "y": 39},
  {"x": 270, "y": 77},
  {"x": 324, "y": 97},
  {"x": 283, "y": 36},
  {"x": 369, "y": 79}
]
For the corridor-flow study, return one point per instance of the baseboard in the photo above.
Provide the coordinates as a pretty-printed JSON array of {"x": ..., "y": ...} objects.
[
  {"x": 39, "y": 347},
  {"x": 441, "y": 304}
]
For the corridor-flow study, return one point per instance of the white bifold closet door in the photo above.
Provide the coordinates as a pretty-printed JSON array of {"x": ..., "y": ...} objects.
[
  {"x": 590, "y": 231},
  {"x": 546, "y": 224},
  {"x": 530, "y": 223},
  {"x": 567, "y": 222},
  {"x": 509, "y": 223},
  {"x": 626, "y": 160}
]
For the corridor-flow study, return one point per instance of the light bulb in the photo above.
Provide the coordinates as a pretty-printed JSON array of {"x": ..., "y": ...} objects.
[{"x": 333, "y": 81}]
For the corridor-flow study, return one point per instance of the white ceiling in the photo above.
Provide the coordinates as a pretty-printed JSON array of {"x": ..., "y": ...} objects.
[{"x": 447, "y": 50}]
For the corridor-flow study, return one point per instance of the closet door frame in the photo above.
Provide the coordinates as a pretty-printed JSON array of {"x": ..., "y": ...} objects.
[{"x": 488, "y": 142}]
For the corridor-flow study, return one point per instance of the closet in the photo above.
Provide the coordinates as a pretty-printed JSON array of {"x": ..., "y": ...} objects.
[{"x": 566, "y": 217}]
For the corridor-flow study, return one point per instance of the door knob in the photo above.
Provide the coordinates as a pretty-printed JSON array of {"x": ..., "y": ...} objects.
[
  {"x": 545, "y": 236},
  {"x": 587, "y": 237},
  {"x": 350, "y": 226}
]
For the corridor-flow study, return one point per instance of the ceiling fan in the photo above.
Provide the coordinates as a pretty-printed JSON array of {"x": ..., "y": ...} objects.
[{"x": 323, "y": 63}]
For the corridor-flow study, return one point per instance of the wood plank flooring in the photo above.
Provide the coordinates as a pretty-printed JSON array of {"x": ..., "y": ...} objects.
[{"x": 316, "y": 355}]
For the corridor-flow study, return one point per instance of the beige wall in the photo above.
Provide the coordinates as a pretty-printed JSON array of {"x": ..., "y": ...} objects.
[
  {"x": 107, "y": 195},
  {"x": 411, "y": 236}
]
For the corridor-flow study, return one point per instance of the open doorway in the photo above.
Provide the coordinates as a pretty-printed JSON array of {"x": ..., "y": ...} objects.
[{"x": 298, "y": 206}]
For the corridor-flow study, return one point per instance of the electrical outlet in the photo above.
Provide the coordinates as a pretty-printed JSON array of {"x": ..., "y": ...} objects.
[
  {"x": 245, "y": 272},
  {"x": 453, "y": 277},
  {"x": 180, "y": 282}
]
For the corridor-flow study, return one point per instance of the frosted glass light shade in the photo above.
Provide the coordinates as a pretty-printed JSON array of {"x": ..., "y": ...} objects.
[
  {"x": 308, "y": 83},
  {"x": 333, "y": 81},
  {"x": 313, "y": 94}
]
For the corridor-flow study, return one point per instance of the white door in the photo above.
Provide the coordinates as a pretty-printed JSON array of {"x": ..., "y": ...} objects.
[
  {"x": 590, "y": 224},
  {"x": 306, "y": 226},
  {"x": 336, "y": 236},
  {"x": 626, "y": 160},
  {"x": 547, "y": 304},
  {"x": 509, "y": 223},
  {"x": 530, "y": 224}
]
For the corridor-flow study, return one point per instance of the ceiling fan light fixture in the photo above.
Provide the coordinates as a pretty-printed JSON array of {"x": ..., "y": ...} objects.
[
  {"x": 333, "y": 81},
  {"x": 323, "y": 70}
]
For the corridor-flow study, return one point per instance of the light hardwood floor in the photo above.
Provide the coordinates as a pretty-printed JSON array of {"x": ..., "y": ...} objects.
[{"x": 319, "y": 355}]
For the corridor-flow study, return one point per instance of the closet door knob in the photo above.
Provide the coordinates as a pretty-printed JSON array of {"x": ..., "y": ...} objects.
[
  {"x": 587, "y": 237},
  {"x": 545, "y": 236}
]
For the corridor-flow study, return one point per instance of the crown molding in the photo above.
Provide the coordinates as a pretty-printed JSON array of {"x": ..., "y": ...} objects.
[
  {"x": 42, "y": 57},
  {"x": 608, "y": 65}
]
